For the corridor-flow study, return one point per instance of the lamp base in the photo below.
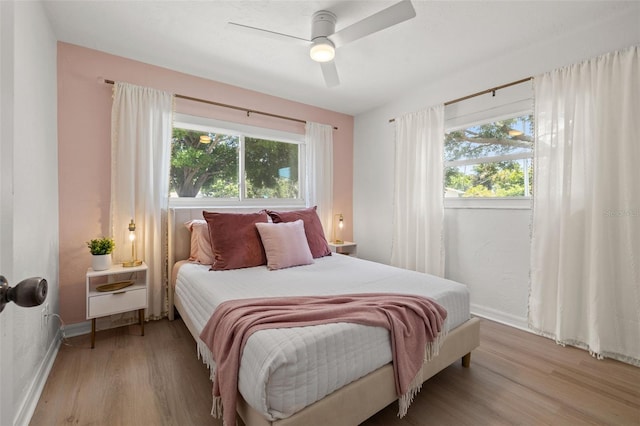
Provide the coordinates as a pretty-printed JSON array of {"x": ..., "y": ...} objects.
[
  {"x": 338, "y": 241},
  {"x": 132, "y": 263}
]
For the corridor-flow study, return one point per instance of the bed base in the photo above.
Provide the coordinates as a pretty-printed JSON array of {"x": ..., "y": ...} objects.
[{"x": 361, "y": 399}]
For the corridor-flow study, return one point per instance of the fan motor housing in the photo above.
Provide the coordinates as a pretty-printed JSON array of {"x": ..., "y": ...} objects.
[{"x": 323, "y": 24}]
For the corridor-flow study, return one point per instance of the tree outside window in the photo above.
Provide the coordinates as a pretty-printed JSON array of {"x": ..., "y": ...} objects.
[
  {"x": 490, "y": 160},
  {"x": 204, "y": 164},
  {"x": 207, "y": 164},
  {"x": 271, "y": 169}
]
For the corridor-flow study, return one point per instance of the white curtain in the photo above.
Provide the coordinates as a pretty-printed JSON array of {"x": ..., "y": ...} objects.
[
  {"x": 585, "y": 261},
  {"x": 319, "y": 172},
  {"x": 141, "y": 127},
  {"x": 418, "y": 211}
]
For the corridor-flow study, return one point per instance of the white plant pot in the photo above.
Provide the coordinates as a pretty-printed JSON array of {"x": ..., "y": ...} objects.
[{"x": 101, "y": 262}]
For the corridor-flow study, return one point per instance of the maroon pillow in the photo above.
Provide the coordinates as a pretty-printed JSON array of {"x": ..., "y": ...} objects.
[
  {"x": 235, "y": 241},
  {"x": 312, "y": 228}
]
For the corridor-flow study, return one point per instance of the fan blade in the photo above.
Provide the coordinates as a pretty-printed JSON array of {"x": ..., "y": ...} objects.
[
  {"x": 386, "y": 18},
  {"x": 330, "y": 73},
  {"x": 267, "y": 33}
]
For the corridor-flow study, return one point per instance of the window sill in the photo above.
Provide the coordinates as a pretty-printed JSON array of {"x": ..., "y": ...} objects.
[
  {"x": 231, "y": 203},
  {"x": 514, "y": 203}
]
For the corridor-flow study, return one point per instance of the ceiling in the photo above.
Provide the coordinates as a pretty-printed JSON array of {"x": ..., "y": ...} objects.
[{"x": 444, "y": 37}]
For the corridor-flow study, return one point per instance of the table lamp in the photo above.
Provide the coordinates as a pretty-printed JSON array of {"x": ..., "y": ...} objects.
[
  {"x": 337, "y": 228},
  {"x": 132, "y": 238}
]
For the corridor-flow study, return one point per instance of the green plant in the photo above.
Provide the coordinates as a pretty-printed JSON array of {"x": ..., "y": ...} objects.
[{"x": 102, "y": 245}]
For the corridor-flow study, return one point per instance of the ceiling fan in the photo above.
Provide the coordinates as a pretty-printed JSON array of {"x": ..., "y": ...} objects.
[{"x": 324, "y": 38}]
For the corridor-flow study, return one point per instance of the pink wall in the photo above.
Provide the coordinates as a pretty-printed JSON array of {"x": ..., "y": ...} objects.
[{"x": 84, "y": 151}]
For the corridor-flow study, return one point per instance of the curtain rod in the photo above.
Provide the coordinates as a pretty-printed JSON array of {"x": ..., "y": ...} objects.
[
  {"x": 473, "y": 95},
  {"x": 237, "y": 108}
]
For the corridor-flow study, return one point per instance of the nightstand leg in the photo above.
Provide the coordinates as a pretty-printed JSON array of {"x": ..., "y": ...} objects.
[
  {"x": 141, "y": 314},
  {"x": 93, "y": 333}
]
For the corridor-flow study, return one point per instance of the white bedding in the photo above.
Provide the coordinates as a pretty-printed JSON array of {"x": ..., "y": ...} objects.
[{"x": 284, "y": 370}]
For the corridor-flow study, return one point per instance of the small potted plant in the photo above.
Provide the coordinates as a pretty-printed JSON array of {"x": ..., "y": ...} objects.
[{"x": 101, "y": 249}]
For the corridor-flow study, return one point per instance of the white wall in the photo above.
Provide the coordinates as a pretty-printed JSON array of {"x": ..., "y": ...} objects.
[
  {"x": 29, "y": 201},
  {"x": 486, "y": 249},
  {"x": 6, "y": 206}
]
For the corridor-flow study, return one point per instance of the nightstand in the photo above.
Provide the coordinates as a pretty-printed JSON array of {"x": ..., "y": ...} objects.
[
  {"x": 348, "y": 247},
  {"x": 104, "y": 303}
]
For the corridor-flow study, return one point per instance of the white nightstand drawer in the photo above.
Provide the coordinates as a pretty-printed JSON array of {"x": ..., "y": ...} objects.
[{"x": 119, "y": 301}]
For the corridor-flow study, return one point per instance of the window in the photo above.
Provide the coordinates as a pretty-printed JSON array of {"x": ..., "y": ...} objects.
[
  {"x": 222, "y": 162},
  {"x": 491, "y": 159}
]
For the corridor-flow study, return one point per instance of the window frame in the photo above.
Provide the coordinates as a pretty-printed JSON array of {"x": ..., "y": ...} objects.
[
  {"x": 520, "y": 202},
  {"x": 243, "y": 131},
  {"x": 507, "y": 102}
]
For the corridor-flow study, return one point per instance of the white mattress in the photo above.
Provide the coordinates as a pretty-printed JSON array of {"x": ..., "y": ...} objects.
[{"x": 284, "y": 370}]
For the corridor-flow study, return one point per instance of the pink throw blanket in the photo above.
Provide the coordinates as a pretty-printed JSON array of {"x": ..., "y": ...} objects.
[{"x": 416, "y": 324}]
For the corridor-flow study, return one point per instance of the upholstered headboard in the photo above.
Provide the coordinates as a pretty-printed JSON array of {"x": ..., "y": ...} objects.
[{"x": 179, "y": 235}]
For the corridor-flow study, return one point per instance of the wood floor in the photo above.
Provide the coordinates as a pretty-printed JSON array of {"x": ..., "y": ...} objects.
[{"x": 516, "y": 378}]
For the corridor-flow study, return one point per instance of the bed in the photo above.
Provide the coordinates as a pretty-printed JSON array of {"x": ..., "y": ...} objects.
[{"x": 313, "y": 375}]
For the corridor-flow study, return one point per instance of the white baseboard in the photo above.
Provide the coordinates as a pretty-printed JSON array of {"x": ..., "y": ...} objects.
[
  {"x": 103, "y": 323},
  {"x": 501, "y": 317},
  {"x": 28, "y": 405},
  {"x": 77, "y": 329}
]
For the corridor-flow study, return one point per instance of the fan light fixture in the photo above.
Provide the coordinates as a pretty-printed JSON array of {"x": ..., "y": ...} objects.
[
  {"x": 322, "y": 50},
  {"x": 325, "y": 39}
]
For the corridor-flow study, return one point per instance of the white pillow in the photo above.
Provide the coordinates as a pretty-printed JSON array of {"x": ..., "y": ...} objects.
[{"x": 285, "y": 244}]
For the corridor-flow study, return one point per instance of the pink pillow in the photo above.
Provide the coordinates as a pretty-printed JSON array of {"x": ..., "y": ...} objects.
[
  {"x": 235, "y": 241},
  {"x": 285, "y": 244},
  {"x": 200, "y": 242},
  {"x": 312, "y": 228}
]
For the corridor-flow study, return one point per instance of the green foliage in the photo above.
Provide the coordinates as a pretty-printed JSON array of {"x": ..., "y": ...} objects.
[
  {"x": 491, "y": 179},
  {"x": 211, "y": 170},
  {"x": 478, "y": 191},
  {"x": 220, "y": 189},
  {"x": 456, "y": 179},
  {"x": 195, "y": 165},
  {"x": 102, "y": 245},
  {"x": 509, "y": 181},
  {"x": 490, "y": 139},
  {"x": 264, "y": 160},
  {"x": 500, "y": 179},
  {"x": 282, "y": 188}
]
